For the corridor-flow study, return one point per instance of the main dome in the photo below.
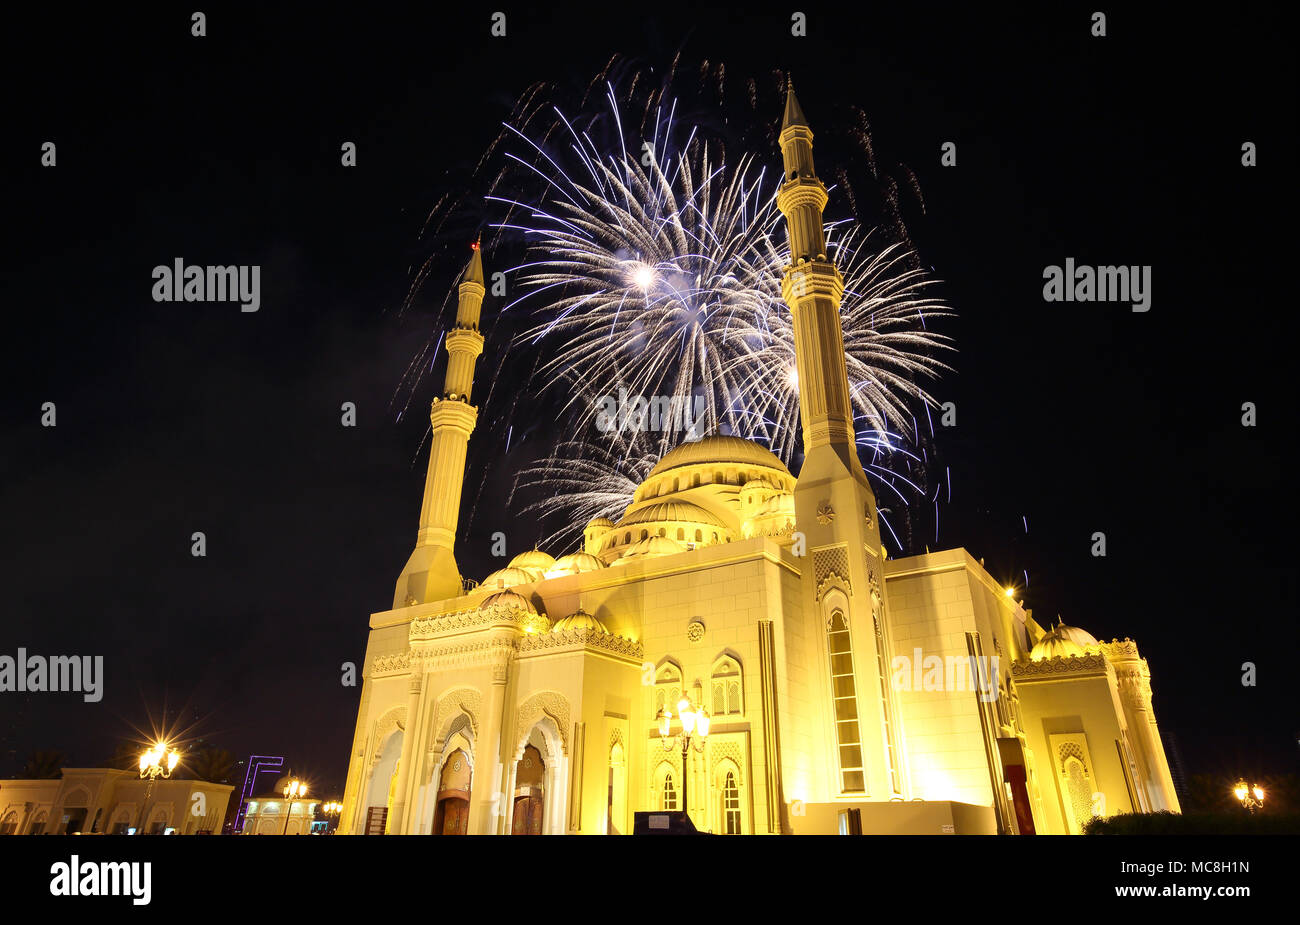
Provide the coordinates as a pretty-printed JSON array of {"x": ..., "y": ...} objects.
[{"x": 719, "y": 449}]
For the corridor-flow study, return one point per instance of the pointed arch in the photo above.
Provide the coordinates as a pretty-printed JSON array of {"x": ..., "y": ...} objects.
[
  {"x": 668, "y": 685},
  {"x": 727, "y": 685},
  {"x": 667, "y": 795}
]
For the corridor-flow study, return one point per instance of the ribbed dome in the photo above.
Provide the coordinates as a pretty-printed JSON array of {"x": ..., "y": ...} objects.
[
  {"x": 600, "y": 522},
  {"x": 507, "y": 577},
  {"x": 671, "y": 512},
  {"x": 573, "y": 564},
  {"x": 579, "y": 620},
  {"x": 509, "y": 599},
  {"x": 650, "y": 548},
  {"x": 1064, "y": 642},
  {"x": 762, "y": 483},
  {"x": 534, "y": 560},
  {"x": 719, "y": 449}
]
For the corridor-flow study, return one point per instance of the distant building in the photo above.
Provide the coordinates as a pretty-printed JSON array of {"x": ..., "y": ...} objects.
[
  {"x": 106, "y": 801},
  {"x": 265, "y": 815}
]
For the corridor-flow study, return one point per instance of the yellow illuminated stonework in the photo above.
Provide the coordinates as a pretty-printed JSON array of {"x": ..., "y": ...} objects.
[{"x": 846, "y": 691}]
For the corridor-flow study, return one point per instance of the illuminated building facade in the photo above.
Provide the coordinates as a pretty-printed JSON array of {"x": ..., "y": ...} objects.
[{"x": 847, "y": 691}]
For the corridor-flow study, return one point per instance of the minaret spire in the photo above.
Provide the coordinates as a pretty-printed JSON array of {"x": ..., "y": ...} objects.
[
  {"x": 431, "y": 573},
  {"x": 812, "y": 287},
  {"x": 793, "y": 113},
  {"x": 834, "y": 507}
]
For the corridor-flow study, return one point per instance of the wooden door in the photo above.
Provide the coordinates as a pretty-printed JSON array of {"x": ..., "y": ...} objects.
[
  {"x": 452, "y": 817},
  {"x": 528, "y": 815}
]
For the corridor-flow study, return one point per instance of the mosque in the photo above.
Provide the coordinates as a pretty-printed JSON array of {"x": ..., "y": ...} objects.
[{"x": 737, "y": 647}]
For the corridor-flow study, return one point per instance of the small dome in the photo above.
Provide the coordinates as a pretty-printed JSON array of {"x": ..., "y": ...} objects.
[
  {"x": 600, "y": 522},
  {"x": 573, "y": 564},
  {"x": 509, "y": 598},
  {"x": 579, "y": 620},
  {"x": 281, "y": 783},
  {"x": 762, "y": 483},
  {"x": 534, "y": 561},
  {"x": 507, "y": 577},
  {"x": 652, "y": 547},
  {"x": 1064, "y": 642}
]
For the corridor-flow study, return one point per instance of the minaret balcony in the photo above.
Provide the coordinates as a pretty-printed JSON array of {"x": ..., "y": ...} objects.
[
  {"x": 804, "y": 191},
  {"x": 815, "y": 278}
]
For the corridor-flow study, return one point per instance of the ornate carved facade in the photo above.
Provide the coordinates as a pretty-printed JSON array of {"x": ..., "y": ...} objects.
[{"x": 911, "y": 695}]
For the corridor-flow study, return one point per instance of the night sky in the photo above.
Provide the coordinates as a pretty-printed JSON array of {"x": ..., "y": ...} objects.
[{"x": 176, "y": 418}]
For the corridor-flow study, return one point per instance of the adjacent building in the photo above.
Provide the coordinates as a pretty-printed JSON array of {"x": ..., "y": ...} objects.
[{"x": 106, "y": 801}]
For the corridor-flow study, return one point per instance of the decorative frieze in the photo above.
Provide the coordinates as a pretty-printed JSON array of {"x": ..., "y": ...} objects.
[
  {"x": 1059, "y": 665},
  {"x": 579, "y": 639},
  {"x": 398, "y": 662},
  {"x": 492, "y": 615}
]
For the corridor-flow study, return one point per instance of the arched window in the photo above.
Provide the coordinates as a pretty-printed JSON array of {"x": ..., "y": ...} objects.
[
  {"x": 627, "y": 537},
  {"x": 663, "y": 531},
  {"x": 681, "y": 534},
  {"x": 719, "y": 478},
  {"x": 844, "y": 696},
  {"x": 668, "y": 795},
  {"x": 744, "y": 477},
  {"x": 675, "y": 485},
  {"x": 731, "y": 805},
  {"x": 645, "y": 534},
  {"x": 695, "y": 480},
  {"x": 699, "y": 536},
  {"x": 668, "y": 687},
  {"x": 715, "y": 536},
  {"x": 727, "y": 687}
]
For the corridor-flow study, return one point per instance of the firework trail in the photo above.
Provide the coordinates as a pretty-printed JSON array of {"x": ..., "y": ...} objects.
[{"x": 648, "y": 258}]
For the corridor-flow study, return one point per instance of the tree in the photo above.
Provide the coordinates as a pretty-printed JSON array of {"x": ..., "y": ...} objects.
[
  {"x": 210, "y": 764},
  {"x": 44, "y": 765},
  {"x": 126, "y": 756}
]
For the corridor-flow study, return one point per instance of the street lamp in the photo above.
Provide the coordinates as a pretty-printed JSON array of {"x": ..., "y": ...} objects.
[
  {"x": 331, "y": 809},
  {"x": 292, "y": 790},
  {"x": 1251, "y": 797},
  {"x": 695, "y": 729},
  {"x": 157, "y": 762}
]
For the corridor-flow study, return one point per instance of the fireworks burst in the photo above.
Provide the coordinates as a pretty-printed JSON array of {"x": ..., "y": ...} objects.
[{"x": 652, "y": 264}]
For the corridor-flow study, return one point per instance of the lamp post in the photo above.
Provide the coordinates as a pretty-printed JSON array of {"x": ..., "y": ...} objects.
[
  {"x": 332, "y": 809},
  {"x": 695, "y": 729},
  {"x": 1251, "y": 797},
  {"x": 155, "y": 763},
  {"x": 292, "y": 790}
]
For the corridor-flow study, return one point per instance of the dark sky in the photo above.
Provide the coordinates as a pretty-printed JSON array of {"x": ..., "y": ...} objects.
[{"x": 176, "y": 418}]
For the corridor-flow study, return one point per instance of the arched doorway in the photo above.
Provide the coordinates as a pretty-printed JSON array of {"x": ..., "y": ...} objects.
[
  {"x": 383, "y": 780},
  {"x": 451, "y": 816},
  {"x": 530, "y": 793},
  {"x": 543, "y": 783},
  {"x": 731, "y": 815},
  {"x": 616, "y": 823}
]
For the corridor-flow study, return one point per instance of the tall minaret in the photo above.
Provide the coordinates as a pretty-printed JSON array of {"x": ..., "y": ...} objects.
[
  {"x": 812, "y": 287},
  {"x": 431, "y": 573},
  {"x": 835, "y": 510}
]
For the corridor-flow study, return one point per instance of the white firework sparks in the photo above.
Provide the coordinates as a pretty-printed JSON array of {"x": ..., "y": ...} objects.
[{"x": 659, "y": 270}]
